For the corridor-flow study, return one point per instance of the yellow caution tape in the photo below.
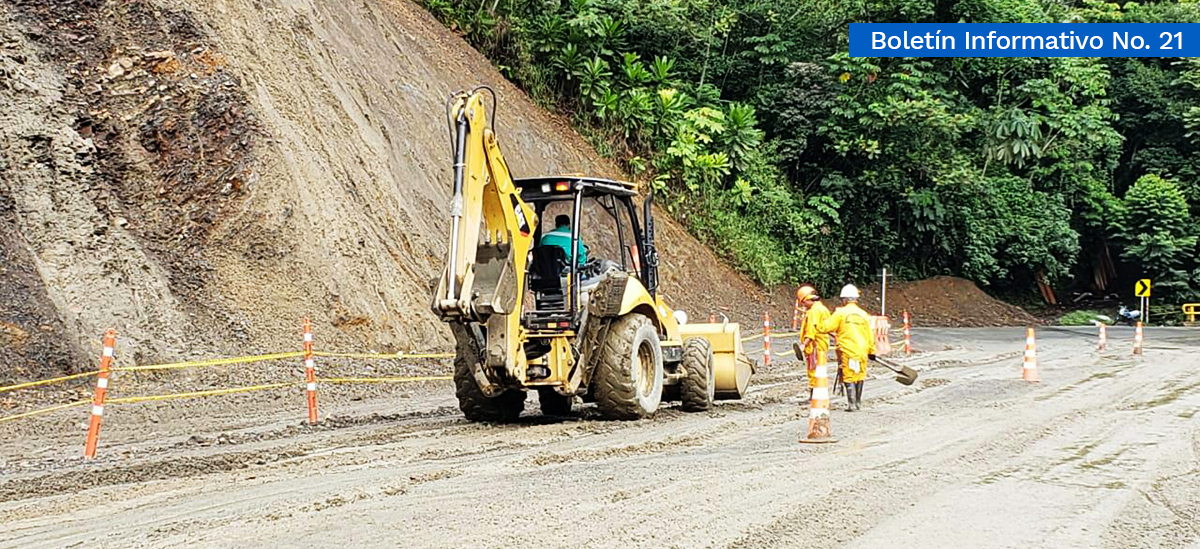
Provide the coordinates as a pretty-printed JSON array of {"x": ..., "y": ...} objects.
[
  {"x": 43, "y": 410},
  {"x": 193, "y": 364},
  {"x": 129, "y": 400},
  {"x": 213, "y": 362},
  {"x": 219, "y": 362},
  {"x": 390, "y": 356},
  {"x": 381, "y": 379},
  {"x": 47, "y": 381}
]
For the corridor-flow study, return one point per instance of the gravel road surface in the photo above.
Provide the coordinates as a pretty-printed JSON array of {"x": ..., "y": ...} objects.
[{"x": 1104, "y": 452}]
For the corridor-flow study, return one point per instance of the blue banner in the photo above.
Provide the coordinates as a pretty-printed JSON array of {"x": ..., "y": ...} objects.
[{"x": 1025, "y": 39}]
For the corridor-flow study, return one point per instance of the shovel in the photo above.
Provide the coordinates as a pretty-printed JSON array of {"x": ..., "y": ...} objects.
[{"x": 904, "y": 374}]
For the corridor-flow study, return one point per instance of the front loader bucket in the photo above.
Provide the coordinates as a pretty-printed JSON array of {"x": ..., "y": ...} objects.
[{"x": 733, "y": 368}]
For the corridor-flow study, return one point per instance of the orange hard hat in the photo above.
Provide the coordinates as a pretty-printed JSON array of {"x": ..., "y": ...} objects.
[{"x": 804, "y": 292}]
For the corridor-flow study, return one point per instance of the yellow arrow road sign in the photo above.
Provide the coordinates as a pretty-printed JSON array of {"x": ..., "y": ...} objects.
[{"x": 1142, "y": 288}]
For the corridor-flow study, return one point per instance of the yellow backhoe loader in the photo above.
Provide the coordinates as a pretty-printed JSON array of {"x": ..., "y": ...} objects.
[{"x": 528, "y": 315}]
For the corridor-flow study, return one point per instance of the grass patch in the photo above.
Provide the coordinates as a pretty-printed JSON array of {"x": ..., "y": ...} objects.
[{"x": 1083, "y": 318}]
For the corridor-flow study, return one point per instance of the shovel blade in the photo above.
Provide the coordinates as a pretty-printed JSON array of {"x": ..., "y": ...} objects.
[{"x": 906, "y": 375}]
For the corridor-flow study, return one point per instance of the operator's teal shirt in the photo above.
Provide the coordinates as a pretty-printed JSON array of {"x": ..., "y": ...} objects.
[{"x": 561, "y": 237}]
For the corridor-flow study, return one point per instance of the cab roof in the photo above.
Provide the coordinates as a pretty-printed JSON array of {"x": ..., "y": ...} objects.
[{"x": 561, "y": 187}]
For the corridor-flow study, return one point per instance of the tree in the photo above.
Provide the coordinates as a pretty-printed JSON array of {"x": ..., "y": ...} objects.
[
  {"x": 797, "y": 161},
  {"x": 1159, "y": 234}
]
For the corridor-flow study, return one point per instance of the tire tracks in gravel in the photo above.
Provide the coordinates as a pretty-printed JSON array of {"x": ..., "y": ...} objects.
[
  {"x": 220, "y": 454},
  {"x": 216, "y": 455},
  {"x": 913, "y": 445},
  {"x": 863, "y": 500},
  {"x": 854, "y": 507}
]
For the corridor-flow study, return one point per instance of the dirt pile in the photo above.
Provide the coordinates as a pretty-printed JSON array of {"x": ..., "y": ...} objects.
[
  {"x": 200, "y": 174},
  {"x": 939, "y": 301},
  {"x": 947, "y": 301}
]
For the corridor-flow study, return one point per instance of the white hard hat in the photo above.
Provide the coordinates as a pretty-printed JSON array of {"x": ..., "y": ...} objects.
[
  {"x": 680, "y": 317},
  {"x": 849, "y": 292}
]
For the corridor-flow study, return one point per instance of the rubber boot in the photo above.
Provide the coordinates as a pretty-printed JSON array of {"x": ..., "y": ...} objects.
[
  {"x": 858, "y": 388},
  {"x": 849, "y": 396}
]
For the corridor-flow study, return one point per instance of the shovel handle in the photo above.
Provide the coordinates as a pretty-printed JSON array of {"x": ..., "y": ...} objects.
[{"x": 886, "y": 365}]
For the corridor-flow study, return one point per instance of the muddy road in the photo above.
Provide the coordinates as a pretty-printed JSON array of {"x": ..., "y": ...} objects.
[{"x": 1104, "y": 452}]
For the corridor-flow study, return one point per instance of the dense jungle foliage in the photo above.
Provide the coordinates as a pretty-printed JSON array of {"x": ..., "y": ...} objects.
[{"x": 799, "y": 162}]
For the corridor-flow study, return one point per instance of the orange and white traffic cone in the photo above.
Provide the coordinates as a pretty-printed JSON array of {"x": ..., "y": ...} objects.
[
  {"x": 1103, "y": 337},
  {"x": 310, "y": 372},
  {"x": 796, "y": 315},
  {"x": 93, "y": 434},
  {"x": 819, "y": 430},
  {"x": 766, "y": 338},
  {"x": 712, "y": 318},
  {"x": 1137, "y": 339},
  {"x": 907, "y": 335},
  {"x": 1030, "y": 371}
]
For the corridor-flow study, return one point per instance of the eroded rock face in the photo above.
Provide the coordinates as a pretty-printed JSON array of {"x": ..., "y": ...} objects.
[
  {"x": 96, "y": 134},
  {"x": 201, "y": 175}
]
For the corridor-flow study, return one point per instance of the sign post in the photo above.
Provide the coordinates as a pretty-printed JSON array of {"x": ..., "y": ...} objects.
[
  {"x": 1142, "y": 291},
  {"x": 883, "y": 295}
]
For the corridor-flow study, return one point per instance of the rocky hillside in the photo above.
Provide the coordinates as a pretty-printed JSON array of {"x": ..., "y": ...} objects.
[{"x": 202, "y": 174}]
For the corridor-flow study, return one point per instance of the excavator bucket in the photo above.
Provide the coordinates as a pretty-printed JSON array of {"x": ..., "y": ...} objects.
[{"x": 733, "y": 368}]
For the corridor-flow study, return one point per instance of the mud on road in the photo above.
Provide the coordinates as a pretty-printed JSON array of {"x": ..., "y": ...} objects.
[{"x": 1102, "y": 453}]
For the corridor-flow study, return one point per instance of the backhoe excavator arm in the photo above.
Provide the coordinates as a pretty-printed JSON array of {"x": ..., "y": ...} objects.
[{"x": 484, "y": 281}]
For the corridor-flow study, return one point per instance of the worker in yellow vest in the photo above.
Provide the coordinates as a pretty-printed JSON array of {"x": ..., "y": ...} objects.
[
  {"x": 855, "y": 343},
  {"x": 814, "y": 344}
]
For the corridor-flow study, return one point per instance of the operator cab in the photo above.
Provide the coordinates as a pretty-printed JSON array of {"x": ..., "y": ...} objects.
[{"x": 559, "y": 287}]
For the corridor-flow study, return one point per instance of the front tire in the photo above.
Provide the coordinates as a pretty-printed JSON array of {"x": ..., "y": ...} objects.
[
  {"x": 699, "y": 385},
  {"x": 628, "y": 380},
  {"x": 475, "y": 405}
]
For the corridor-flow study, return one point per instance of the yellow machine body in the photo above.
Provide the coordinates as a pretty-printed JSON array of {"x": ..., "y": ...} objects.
[
  {"x": 525, "y": 319},
  {"x": 733, "y": 369}
]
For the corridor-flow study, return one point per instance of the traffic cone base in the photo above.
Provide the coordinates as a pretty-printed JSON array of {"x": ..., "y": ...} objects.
[{"x": 819, "y": 432}]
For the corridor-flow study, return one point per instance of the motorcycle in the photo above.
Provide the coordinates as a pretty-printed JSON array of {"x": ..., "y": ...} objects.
[{"x": 1128, "y": 316}]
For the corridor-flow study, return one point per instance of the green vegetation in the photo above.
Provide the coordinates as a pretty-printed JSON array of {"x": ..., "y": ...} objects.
[
  {"x": 798, "y": 162},
  {"x": 1082, "y": 318}
]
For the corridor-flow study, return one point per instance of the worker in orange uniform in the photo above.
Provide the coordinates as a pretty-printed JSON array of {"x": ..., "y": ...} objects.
[
  {"x": 814, "y": 344},
  {"x": 855, "y": 342}
]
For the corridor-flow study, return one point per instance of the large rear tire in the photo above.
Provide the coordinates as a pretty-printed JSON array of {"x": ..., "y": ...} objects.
[
  {"x": 476, "y": 406},
  {"x": 699, "y": 385},
  {"x": 628, "y": 381}
]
